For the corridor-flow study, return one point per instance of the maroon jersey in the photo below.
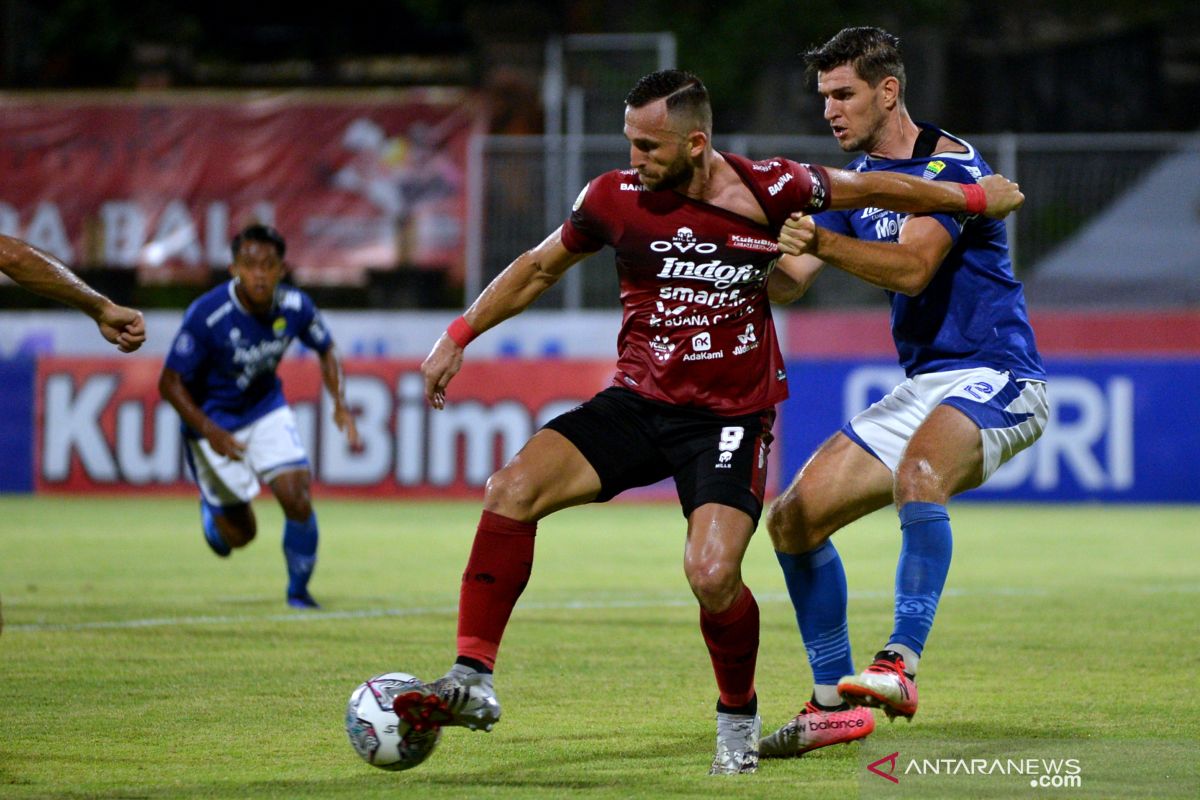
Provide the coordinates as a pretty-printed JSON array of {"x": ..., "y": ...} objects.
[{"x": 697, "y": 327}]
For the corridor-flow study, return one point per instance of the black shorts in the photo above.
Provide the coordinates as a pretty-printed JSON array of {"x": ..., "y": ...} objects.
[{"x": 631, "y": 441}]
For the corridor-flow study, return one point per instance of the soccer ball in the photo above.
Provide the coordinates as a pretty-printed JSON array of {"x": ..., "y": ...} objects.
[{"x": 380, "y": 737}]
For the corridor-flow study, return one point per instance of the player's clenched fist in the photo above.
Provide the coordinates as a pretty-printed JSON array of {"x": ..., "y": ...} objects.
[
  {"x": 798, "y": 235},
  {"x": 122, "y": 326},
  {"x": 1003, "y": 196}
]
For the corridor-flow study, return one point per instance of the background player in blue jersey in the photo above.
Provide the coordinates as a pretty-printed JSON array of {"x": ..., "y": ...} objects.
[
  {"x": 974, "y": 394},
  {"x": 220, "y": 377}
]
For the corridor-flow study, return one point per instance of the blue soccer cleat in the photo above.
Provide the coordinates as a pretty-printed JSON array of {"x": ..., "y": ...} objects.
[
  {"x": 304, "y": 601},
  {"x": 212, "y": 534}
]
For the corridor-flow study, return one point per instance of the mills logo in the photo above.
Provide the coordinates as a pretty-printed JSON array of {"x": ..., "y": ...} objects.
[{"x": 683, "y": 241}]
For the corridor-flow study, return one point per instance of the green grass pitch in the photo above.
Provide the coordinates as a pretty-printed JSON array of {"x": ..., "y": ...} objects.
[{"x": 135, "y": 664}]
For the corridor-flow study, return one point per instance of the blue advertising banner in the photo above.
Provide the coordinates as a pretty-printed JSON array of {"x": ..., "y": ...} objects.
[
  {"x": 1120, "y": 430},
  {"x": 16, "y": 424}
]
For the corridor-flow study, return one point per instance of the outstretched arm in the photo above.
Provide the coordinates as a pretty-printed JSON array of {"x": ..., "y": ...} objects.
[
  {"x": 42, "y": 273},
  {"x": 792, "y": 276},
  {"x": 897, "y": 192},
  {"x": 510, "y": 293},
  {"x": 335, "y": 383},
  {"x": 906, "y": 266}
]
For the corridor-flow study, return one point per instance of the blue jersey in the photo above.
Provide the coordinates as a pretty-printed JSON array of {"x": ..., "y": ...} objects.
[
  {"x": 972, "y": 314},
  {"x": 227, "y": 356}
]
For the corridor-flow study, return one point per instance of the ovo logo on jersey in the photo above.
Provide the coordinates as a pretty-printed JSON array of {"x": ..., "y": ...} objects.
[{"x": 684, "y": 241}]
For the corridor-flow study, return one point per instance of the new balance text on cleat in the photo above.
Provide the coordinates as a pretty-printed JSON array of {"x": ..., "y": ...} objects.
[
  {"x": 468, "y": 702},
  {"x": 737, "y": 744},
  {"x": 816, "y": 727},
  {"x": 883, "y": 685}
]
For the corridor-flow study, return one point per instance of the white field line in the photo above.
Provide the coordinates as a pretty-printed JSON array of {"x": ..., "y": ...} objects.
[{"x": 371, "y": 613}]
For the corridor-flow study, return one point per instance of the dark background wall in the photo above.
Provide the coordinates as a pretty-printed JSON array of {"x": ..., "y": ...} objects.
[{"x": 1021, "y": 65}]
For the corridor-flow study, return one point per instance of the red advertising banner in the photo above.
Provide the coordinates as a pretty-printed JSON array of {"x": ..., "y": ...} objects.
[
  {"x": 100, "y": 425},
  {"x": 161, "y": 182}
]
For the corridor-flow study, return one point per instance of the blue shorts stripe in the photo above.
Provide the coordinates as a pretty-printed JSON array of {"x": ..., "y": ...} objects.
[
  {"x": 991, "y": 414},
  {"x": 858, "y": 440}
]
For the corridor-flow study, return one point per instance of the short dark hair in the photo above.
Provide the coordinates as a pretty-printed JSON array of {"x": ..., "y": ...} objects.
[
  {"x": 686, "y": 95},
  {"x": 258, "y": 233},
  {"x": 872, "y": 52}
]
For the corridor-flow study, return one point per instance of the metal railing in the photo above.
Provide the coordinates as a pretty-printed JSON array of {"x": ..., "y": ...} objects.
[{"x": 1067, "y": 179}]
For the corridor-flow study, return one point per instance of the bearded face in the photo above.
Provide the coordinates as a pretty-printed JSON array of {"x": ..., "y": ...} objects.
[{"x": 677, "y": 172}]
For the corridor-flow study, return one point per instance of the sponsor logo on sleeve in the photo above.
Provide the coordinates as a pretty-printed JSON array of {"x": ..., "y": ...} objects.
[
  {"x": 755, "y": 243},
  {"x": 932, "y": 169}
]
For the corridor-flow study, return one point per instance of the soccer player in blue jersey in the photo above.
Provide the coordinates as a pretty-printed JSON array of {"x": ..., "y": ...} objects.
[
  {"x": 974, "y": 395},
  {"x": 220, "y": 377}
]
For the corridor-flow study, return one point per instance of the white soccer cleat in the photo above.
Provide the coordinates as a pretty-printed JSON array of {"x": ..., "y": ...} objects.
[
  {"x": 884, "y": 685},
  {"x": 467, "y": 701},
  {"x": 737, "y": 744}
]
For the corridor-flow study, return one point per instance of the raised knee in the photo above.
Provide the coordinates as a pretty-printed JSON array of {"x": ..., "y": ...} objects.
[
  {"x": 790, "y": 531},
  {"x": 511, "y": 494},
  {"x": 237, "y": 532}
]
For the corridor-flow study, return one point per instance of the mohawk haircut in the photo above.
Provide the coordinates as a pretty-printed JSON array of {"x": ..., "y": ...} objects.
[
  {"x": 687, "y": 97},
  {"x": 873, "y": 53}
]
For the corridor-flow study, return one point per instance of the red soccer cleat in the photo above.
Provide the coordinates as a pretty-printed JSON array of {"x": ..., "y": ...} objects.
[{"x": 816, "y": 727}]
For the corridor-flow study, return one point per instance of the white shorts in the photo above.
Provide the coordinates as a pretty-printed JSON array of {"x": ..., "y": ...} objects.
[
  {"x": 272, "y": 447},
  {"x": 1011, "y": 414}
]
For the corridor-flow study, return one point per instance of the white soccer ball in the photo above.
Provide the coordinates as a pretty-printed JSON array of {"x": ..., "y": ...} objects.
[{"x": 380, "y": 737}]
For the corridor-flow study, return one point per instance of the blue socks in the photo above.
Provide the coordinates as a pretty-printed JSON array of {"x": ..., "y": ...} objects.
[
  {"x": 816, "y": 582},
  {"x": 921, "y": 572},
  {"x": 300, "y": 551}
]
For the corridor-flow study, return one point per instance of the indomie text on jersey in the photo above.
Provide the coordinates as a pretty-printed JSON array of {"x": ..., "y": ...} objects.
[{"x": 719, "y": 274}]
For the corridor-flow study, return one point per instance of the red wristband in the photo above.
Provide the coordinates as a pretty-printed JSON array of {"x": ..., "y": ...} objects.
[
  {"x": 462, "y": 334},
  {"x": 976, "y": 198}
]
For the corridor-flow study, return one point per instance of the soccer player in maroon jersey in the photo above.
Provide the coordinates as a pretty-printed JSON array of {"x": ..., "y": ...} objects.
[
  {"x": 42, "y": 273},
  {"x": 698, "y": 375}
]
